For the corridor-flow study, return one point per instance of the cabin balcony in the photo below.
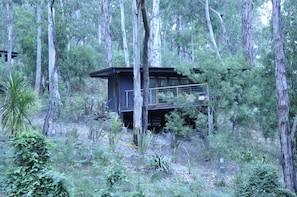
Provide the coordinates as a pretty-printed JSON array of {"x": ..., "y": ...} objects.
[{"x": 171, "y": 97}]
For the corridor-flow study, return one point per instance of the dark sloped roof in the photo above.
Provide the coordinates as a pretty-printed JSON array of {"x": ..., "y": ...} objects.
[{"x": 162, "y": 71}]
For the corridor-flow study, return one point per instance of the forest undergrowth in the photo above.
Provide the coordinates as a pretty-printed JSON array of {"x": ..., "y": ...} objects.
[{"x": 100, "y": 161}]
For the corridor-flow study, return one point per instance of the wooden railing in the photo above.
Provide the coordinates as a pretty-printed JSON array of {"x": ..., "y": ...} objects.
[{"x": 173, "y": 96}]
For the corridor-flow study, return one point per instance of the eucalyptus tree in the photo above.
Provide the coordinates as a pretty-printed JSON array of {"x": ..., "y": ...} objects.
[
  {"x": 146, "y": 78},
  {"x": 54, "y": 99},
  {"x": 39, "y": 46},
  {"x": 155, "y": 52},
  {"x": 290, "y": 49},
  {"x": 211, "y": 34},
  {"x": 247, "y": 10},
  {"x": 10, "y": 36},
  {"x": 282, "y": 100},
  {"x": 107, "y": 32},
  {"x": 124, "y": 37},
  {"x": 137, "y": 111}
]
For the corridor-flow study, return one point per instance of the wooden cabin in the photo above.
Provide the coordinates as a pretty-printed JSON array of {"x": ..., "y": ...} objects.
[
  {"x": 166, "y": 88},
  {"x": 5, "y": 54}
]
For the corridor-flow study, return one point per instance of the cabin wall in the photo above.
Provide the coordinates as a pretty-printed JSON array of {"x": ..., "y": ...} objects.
[{"x": 112, "y": 93}]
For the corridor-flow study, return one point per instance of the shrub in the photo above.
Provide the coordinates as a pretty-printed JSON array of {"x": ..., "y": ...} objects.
[
  {"x": 158, "y": 162},
  {"x": 114, "y": 134},
  {"x": 262, "y": 181},
  {"x": 30, "y": 176}
]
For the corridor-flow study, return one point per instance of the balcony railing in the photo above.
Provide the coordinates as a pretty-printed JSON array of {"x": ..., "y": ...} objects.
[{"x": 172, "y": 96}]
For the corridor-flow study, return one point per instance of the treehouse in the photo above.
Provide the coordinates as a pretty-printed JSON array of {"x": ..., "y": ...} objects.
[{"x": 168, "y": 90}]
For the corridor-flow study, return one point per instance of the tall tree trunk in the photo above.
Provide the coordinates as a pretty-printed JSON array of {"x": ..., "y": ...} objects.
[
  {"x": 155, "y": 32},
  {"x": 137, "y": 112},
  {"x": 247, "y": 13},
  {"x": 107, "y": 31},
  {"x": 146, "y": 78},
  {"x": 211, "y": 34},
  {"x": 282, "y": 98},
  {"x": 9, "y": 48},
  {"x": 125, "y": 45},
  {"x": 54, "y": 99},
  {"x": 38, "y": 55}
]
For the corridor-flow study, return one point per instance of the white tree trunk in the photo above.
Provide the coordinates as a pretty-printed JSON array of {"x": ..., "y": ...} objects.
[
  {"x": 39, "y": 48},
  {"x": 137, "y": 113},
  {"x": 155, "y": 34},
  {"x": 124, "y": 37},
  {"x": 211, "y": 34},
  {"x": 52, "y": 68},
  {"x": 9, "y": 48},
  {"x": 107, "y": 35}
]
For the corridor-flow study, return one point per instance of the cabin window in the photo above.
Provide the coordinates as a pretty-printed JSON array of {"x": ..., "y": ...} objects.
[
  {"x": 184, "y": 81},
  {"x": 162, "y": 82},
  {"x": 153, "y": 91},
  {"x": 173, "y": 81},
  {"x": 162, "y": 91}
]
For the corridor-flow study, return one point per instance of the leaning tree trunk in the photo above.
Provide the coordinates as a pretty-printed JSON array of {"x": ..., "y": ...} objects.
[
  {"x": 246, "y": 40},
  {"x": 282, "y": 98},
  {"x": 211, "y": 34},
  {"x": 137, "y": 126},
  {"x": 54, "y": 100},
  {"x": 146, "y": 78},
  {"x": 155, "y": 54},
  {"x": 9, "y": 48},
  {"x": 107, "y": 34},
  {"x": 39, "y": 48},
  {"x": 124, "y": 37}
]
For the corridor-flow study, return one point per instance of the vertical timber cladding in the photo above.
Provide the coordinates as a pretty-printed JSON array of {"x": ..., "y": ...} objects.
[{"x": 112, "y": 105}]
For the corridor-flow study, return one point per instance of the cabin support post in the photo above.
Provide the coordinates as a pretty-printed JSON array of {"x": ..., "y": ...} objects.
[{"x": 208, "y": 113}]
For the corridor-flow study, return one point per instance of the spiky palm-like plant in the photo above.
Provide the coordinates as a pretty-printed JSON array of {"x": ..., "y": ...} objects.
[{"x": 17, "y": 102}]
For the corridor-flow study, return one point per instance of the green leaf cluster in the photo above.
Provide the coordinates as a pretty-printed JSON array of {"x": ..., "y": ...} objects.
[{"x": 30, "y": 175}]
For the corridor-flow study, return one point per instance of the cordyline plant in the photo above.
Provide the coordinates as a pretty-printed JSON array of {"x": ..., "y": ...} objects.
[{"x": 16, "y": 106}]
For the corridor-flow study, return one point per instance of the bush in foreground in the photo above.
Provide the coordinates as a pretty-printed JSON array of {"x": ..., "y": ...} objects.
[
  {"x": 30, "y": 174},
  {"x": 262, "y": 181}
]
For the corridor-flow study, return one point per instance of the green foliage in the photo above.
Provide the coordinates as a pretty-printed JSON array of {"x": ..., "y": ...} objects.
[
  {"x": 31, "y": 176},
  {"x": 144, "y": 140},
  {"x": 115, "y": 174},
  {"x": 262, "y": 180},
  {"x": 115, "y": 133},
  {"x": 82, "y": 59},
  {"x": 178, "y": 127},
  {"x": 31, "y": 150},
  {"x": 233, "y": 91},
  {"x": 95, "y": 131},
  {"x": 176, "y": 123},
  {"x": 159, "y": 162},
  {"x": 17, "y": 102}
]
